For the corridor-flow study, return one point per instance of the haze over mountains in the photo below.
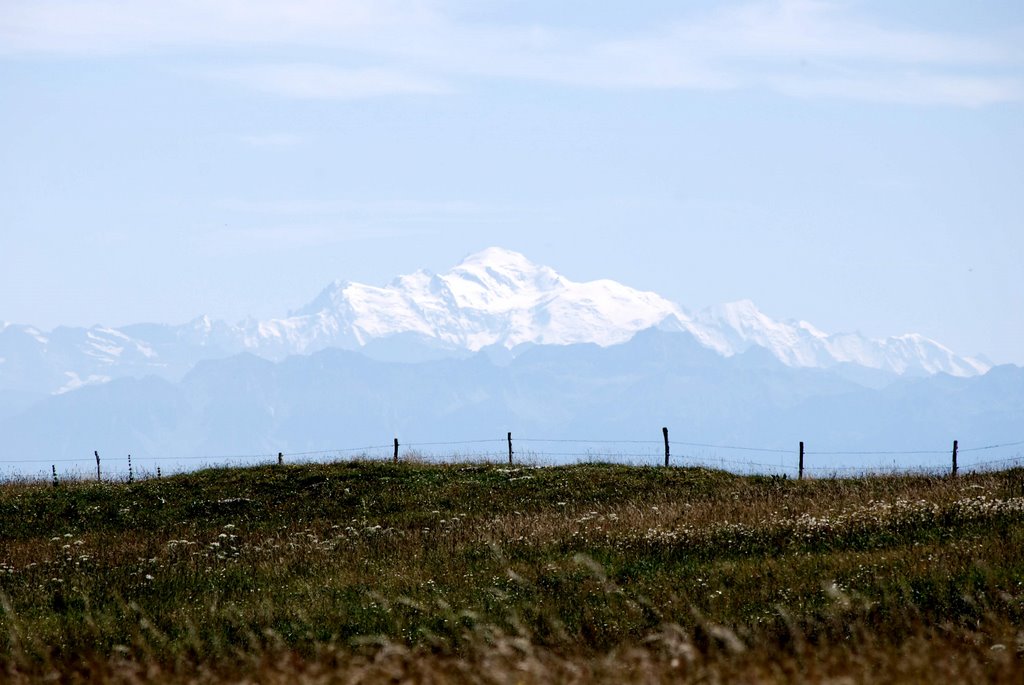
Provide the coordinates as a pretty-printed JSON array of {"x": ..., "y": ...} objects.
[
  {"x": 497, "y": 343},
  {"x": 493, "y": 300}
]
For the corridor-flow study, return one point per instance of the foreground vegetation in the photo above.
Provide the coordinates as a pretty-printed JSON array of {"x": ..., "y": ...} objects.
[{"x": 375, "y": 572}]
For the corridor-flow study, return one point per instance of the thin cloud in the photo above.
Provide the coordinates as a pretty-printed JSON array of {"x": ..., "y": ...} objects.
[
  {"x": 261, "y": 239},
  {"x": 340, "y": 206},
  {"x": 816, "y": 30},
  {"x": 115, "y": 26},
  {"x": 803, "y": 48},
  {"x": 382, "y": 212},
  {"x": 328, "y": 82},
  {"x": 272, "y": 140},
  {"x": 909, "y": 88}
]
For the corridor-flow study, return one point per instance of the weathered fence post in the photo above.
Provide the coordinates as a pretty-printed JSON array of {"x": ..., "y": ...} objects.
[
  {"x": 955, "y": 445},
  {"x": 158, "y": 473},
  {"x": 54, "y": 467},
  {"x": 510, "y": 447},
  {"x": 396, "y": 450},
  {"x": 131, "y": 475},
  {"x": 96, "y": 452},
  {"x": 800, "y": 473},
  {"x": 280, "y": 459},
  {"x": 664, "y": 433}
]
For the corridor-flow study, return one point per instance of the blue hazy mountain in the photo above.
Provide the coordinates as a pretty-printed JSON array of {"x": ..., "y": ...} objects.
[{"x": 336, "y": 398}]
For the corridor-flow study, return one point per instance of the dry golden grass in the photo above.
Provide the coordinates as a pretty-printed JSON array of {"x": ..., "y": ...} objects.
[{"x": 432, "y": 574}]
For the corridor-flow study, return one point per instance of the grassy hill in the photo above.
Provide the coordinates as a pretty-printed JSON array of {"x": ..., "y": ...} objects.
[{"x": 375, "y": 572}]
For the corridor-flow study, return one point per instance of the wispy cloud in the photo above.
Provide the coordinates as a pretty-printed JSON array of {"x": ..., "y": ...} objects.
[
  {"x": 326, "y": 82},
  {"x": 272, "y": 140},
  {"x": 117, "y": 26},
  {"x": 229, "y": 240},
  {"x": 818, "y": 29},
  {"x": 805, "y": 48},
  {"x": 448, "y": 213},
  {"x": 264, "y": 206},
  {"x": 907, "y": 88}
]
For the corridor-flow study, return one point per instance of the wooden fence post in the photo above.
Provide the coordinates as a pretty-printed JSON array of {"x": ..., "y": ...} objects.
[
  {"x": 800, "y": 473},
  {"x": 396, "y": 450},
  {"x": 158, "y": 473},
  {"x": 664, "y": 433},
  {"x": 54, "y": 467},
  {"x": 131, "y": 475},
  {"x": 955, "y": 445},
  {"x": 280, "y": 459},
  {"x": 96, "y": 452},
  {"x": 510, "y": 447}
]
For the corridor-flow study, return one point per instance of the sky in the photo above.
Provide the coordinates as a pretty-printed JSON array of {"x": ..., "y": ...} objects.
[{"x": 859, "y": 165}]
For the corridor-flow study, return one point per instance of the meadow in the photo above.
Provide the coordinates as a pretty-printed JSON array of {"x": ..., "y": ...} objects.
[{"x": 429, "y": 573}]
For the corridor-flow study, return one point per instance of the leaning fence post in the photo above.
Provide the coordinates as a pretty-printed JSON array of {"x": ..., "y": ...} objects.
[
  {"x": 396, "y": 450},
  {"x": 800, "y": 473},
  {"x": 955, "y": 445},
  {"x": 510, "y": 447},
  {"x": 96, "y": 452},
  {"x": 664, "y": 433}
]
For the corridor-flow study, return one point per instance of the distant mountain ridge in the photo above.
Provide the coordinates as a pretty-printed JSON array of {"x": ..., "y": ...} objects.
[
  {"x": 342, "y": 399},
  {"x": 495, "y": 299}
]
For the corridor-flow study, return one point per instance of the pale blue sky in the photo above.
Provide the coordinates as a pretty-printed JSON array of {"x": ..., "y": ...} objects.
[{"x": 856, "y": 164}]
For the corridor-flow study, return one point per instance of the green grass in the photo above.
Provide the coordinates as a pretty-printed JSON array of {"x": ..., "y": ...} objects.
[{"x": 512, "y": 574}]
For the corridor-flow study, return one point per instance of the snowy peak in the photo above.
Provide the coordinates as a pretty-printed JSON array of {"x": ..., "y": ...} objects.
[
  {"x": 743, "y": 324},
  {"x": 492, "y": 297},
  {"x": 498, "y": 280},
  {"x": 737, "y": 326},
  {"x": 330, "y": 298}
]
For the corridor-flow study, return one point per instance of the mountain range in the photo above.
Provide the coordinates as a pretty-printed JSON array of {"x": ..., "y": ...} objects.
[
  {"x": 244, "y": 405},
  {"x": 496, "y": 344},
  {"x": 495, "y": 300}
]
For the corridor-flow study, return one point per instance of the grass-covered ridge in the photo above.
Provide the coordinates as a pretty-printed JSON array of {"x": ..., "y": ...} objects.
[{"x": 585, "y": 572}]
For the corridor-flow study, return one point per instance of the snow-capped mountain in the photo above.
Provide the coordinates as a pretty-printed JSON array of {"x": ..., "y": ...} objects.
[
  {"x": 737, "y": 326},
  {"x": 495, "y": 298},
  {"x": 499, "y": 297}
]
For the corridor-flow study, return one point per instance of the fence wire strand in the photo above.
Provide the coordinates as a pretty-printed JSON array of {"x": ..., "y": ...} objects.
[
  {"x": 992, "y": 447},
  {"x": 593, "y": 442},
  {"x": 602, "y": 451},
  {"x": 876, "y": 453}
]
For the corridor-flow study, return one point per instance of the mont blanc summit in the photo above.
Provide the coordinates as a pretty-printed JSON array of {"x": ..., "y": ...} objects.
[{"x": 493, "y": 297}]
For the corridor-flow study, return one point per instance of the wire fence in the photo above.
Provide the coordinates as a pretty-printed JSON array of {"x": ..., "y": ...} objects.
[{"x": 539, "y": 451}]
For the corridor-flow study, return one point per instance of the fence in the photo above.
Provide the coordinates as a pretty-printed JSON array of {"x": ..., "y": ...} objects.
[{"x": 797, "y": 462}]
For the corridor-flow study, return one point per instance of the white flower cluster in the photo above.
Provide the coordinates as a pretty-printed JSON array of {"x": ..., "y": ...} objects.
[{"x": 872, "y": 518}]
